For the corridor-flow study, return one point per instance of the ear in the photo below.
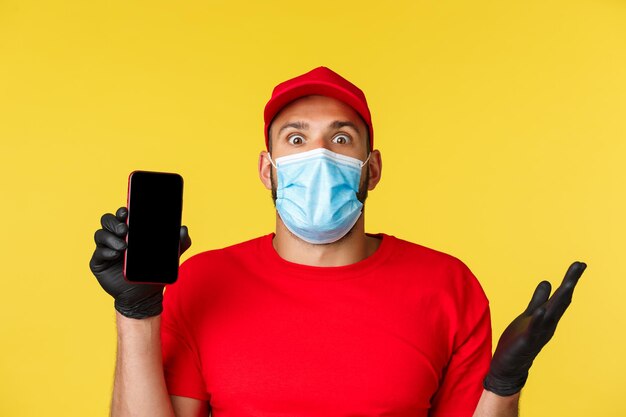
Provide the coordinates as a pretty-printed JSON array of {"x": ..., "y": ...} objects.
[
  {"x": 375, "y": 164},
  {"x": 265, "y": 167}
]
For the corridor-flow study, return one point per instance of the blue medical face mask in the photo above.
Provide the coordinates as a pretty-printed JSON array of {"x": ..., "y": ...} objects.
[{"x": 316, "y": 195}]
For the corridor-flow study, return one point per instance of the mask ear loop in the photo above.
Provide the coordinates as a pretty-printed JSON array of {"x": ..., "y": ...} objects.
[
  {"x": 365, "y": 162},
  {"x": 269, "y": 157}
]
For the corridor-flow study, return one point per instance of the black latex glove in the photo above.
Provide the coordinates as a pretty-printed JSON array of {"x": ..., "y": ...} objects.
[
  {"x": 528, "y": 333},
  {"x": 132, "y": 300}
]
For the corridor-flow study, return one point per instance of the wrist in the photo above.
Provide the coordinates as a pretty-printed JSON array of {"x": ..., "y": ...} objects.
[
  {"x": 493, "y": 405},
  {"x": 138, "y": 335},
  {"x": 505, "y": 386},
  {"x": 127, "y": 324},
  {"x": 148, "y": 307}
]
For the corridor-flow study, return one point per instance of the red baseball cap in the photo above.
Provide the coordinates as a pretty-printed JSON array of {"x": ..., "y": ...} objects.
[{"x": 320, "y": 81}]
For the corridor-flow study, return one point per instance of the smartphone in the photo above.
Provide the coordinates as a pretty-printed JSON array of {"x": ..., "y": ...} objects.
[{"x": 155, "y": 208}]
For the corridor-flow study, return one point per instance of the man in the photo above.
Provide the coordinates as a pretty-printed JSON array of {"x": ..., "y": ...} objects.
[{"x": 318, "y": 318}]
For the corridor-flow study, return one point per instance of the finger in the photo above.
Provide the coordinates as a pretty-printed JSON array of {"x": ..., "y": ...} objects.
[
  {"x": 114, "y": 225},
  {"x": 185, "y": 240},
  {"x": 106, "y": 254},
  {"x": 106, "y": 239},
  {"x": 102, "y": 258},
  {"x": 573, "y": 274},
  {"x": 540, "y": 296},
  {"x": 122, "y": 214},
  {"x": 537, "y": 319},
  {"x": 569, "y": 282},
  {"x": 562, "y": 297}
]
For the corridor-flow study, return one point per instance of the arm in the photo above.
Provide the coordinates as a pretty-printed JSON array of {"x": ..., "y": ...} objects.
[
  {"x": 139, "y": 387},
  {"x": 492, "y": 405},
  {"x": 520, "y": 344}
]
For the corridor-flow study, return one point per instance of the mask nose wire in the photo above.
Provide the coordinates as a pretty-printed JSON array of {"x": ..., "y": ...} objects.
[{"x": 269, "y": 157}]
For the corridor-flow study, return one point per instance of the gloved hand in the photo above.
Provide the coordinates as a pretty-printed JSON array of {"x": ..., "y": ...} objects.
[
  {"x": 132, "y": 300},
  {"x": 528, "y": 333}
]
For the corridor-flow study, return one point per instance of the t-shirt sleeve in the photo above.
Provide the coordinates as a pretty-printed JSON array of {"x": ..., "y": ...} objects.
[
  {"x": 181, "y": 363},
  {"x": 461, "y": 385}
]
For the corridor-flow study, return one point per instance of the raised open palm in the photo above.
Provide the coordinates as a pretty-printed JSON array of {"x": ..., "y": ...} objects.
[{"x": 522, "y": 340}]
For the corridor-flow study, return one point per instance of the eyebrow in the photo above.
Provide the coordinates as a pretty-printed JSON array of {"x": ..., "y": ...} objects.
[
  {"x": 337, "y": 124},
  {"x": 295, "y": 125}
]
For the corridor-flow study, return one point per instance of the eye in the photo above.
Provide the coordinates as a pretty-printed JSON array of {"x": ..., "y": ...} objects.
[
  {"x": 341, "y": 139},
  {"x": 296, "y": 140}
]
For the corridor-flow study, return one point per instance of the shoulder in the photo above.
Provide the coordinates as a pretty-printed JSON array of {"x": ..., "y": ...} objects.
[
  {"x": 201, "y": 268},
  {"x": 443, "y": 277},
  {"x": 431, "y": 268},
  {"x": 216, "y": 257},
  {"x": 205, "y": 276},
  {"x": 423, "y": 257}
]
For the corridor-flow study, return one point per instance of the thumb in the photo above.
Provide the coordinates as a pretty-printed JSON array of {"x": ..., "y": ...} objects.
[
  {"x": 185, "y": 240},
  {"x": 540, "y": 296}
]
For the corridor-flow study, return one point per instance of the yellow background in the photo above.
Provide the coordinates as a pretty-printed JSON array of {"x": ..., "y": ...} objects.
[{"x": 501, "y": 124}]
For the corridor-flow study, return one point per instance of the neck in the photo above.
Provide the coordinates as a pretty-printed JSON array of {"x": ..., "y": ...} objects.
[{"x": 352, "y": 248}]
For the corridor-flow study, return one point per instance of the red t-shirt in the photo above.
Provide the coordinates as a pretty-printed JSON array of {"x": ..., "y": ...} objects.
[{"x": 405, "y": 332}]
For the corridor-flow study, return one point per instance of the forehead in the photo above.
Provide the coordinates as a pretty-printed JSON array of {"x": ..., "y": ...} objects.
[{"x": 318, "y": 108}]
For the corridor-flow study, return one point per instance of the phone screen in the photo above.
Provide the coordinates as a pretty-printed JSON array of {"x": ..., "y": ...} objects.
[{"x": 155, "y": 206}]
